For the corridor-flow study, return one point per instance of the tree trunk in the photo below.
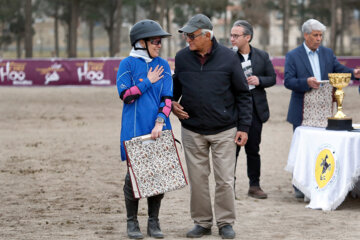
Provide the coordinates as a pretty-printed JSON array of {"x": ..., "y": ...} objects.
[
  {"x": 302, "y": 14},
  {"x": 161, "y": 21},
  {"x": 333, "y": 26},
  {"x": 153, "y": 12},
  {"x": 56, "y": 28},
  {"x": 342, "y": 28},
  {"x": 18, "y": 46},
  {"x": 134, "y": 13},
  {"x": 118, "y": 24},
  {"x": 91, "y": 37},
  {"x": 286, "y": 18},
  {"x": 111, "y": 41},
  {"x": 264, "y": 36},
  {"x": 73, "y": 27},
  {"x": 168, "y": 28},
  {"x": 162, "y": 11},
  {"x": 110, "y": 31},
  {"x": 226, "y": 36},
  {"x": 28, "y": 29},
  {"x": 68, "y": 42}
]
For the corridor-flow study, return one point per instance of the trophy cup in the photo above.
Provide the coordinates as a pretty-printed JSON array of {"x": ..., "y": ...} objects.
[{"x": 339, "y": 121}]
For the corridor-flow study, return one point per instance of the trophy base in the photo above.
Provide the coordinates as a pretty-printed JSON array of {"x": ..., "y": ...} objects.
[{"x": 339, "y": 124}]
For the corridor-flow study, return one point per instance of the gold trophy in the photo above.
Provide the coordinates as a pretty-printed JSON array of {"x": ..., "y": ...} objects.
[{"x": 339, "y": 121}]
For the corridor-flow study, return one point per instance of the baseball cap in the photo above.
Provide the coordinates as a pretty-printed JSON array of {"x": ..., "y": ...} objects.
[{"x": 199, "y": 21}]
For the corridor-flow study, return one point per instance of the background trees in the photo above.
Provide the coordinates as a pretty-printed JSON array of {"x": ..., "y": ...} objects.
[{"x": 17, "y": 20}]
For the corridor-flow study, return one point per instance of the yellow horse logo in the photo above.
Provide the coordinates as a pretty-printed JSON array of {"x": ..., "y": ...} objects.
[{"x": 324, "y": 168}]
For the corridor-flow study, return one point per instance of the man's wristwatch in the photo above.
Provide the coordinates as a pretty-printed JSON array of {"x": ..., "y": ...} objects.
[{"x": 160, "y": 120}]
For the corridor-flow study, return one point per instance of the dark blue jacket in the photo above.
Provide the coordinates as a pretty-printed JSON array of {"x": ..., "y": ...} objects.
[
  {"x": 216, "y": 94},
  {"x": 298, "y": 69}
]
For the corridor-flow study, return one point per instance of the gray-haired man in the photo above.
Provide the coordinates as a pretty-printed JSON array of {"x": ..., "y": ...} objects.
[
  {"x": 305, "y": 66},
  {"x": 215, "y": 113}
]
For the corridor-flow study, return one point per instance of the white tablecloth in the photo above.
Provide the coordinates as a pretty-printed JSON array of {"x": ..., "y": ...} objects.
[{"x": 325, "y": 165}]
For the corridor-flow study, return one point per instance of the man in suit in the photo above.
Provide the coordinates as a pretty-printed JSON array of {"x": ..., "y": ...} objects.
[
  {"x": 260, "y": 74},
  {"x": 305, "y": 66}
]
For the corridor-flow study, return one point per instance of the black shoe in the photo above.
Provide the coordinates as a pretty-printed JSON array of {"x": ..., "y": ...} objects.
[
  {"x": 153, "y": 229},
  {"x": 298, "y": 193},
  {"x": 227, "y": 232},
  {"x": 198, "y": 231},
  {"x": 133, "y": 230}
]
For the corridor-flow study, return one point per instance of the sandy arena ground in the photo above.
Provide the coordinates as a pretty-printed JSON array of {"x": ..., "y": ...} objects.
[{"x": 61, "y": 176}]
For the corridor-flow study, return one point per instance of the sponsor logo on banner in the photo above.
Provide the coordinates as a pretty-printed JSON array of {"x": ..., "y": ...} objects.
[
  {"x": 93, "y": 72},
  {"x": 14, "y": 72},
  {"x": 326, "y": 167},
  {"x": 51, "y": 74}
]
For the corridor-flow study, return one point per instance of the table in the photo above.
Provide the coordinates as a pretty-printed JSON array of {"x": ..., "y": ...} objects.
[{"x": 325, "y": 165}]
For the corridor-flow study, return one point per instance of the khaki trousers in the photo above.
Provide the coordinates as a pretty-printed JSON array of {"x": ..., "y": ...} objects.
[{"x": 197, "y": 148}]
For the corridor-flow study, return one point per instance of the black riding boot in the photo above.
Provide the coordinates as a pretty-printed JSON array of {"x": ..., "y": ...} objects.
[
  {"x": 153, "y": 228},
  {"x": 132, "y": 204},
  {"x": 133, "y": 229}
]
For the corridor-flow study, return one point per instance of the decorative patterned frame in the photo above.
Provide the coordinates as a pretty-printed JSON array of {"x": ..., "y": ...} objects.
[
  {"x": 318, "y": 106},
  {"x": 154, "y": 165}
]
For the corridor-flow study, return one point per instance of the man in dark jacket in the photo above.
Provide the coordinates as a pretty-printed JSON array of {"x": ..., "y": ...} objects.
[
  {"x": 260, "y": 74},
  {"x": 215, "y": 113}
]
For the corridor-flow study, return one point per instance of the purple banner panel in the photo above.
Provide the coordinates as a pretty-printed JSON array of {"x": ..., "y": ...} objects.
[
  {"x": 96, "y": 72},
  {"x": 279, "y": 62},
  {"x": 53, "y": 72}
]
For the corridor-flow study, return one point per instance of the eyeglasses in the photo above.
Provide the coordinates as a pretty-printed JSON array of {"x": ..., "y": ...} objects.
[
  {"x": 155, "y": 41},
  {"x": 236, "y": 36},
  {"x": 192, "y": 36}
]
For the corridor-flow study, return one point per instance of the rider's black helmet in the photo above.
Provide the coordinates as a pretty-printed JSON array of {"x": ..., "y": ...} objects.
[{"x": 146, "y": 29}]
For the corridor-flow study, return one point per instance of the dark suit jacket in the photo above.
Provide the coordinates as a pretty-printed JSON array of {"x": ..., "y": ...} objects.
[
  {"x": 298, "y": 70},
  {"x": 262, "y": 68}
]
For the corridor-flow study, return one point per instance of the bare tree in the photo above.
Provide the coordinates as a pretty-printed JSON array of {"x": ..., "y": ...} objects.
[
  {"x": 90, "y": 14},
  {"x": 73, "y": 27},
  {"x": 110, "y": 31},
  {"x": 162, "y": 11},
  {"x": 56, "y": 9},
  {"x": 168, "y": 27},
  {"x": 302, "y": 17},
  {"x": 226, "y": 24},
  {"x": 153, "y": 14},
  {"x": 286, "y": 20},
  {"x": 161, "y": 17},
  {"x": 333, "y": 25},
  {"x": 342, "y": 28},
  {"x": 256, "y": 12},
  {"x": 109, "y": 12},
  {"x": 91, "y": 25},
  {"x": 118, "y": 24},
  {"x": 56, "y": 27},
  {"x": 28, "y": 29}
]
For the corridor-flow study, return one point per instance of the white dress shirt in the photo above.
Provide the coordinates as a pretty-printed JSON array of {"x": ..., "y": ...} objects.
[{"x": 314, "y": 62}]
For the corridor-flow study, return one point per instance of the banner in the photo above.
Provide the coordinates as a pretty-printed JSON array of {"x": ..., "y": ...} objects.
[
  {"x": 96, "y": 72},
  {"x": 54, "y": 72},
  {"x": 279, "y": 63}
]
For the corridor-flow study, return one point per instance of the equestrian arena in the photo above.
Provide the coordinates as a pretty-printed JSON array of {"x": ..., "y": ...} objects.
[{"x": 61, "y": 175}]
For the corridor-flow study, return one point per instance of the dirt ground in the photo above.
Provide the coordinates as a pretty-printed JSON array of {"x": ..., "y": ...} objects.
[{"x": 61, "y": 176}]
